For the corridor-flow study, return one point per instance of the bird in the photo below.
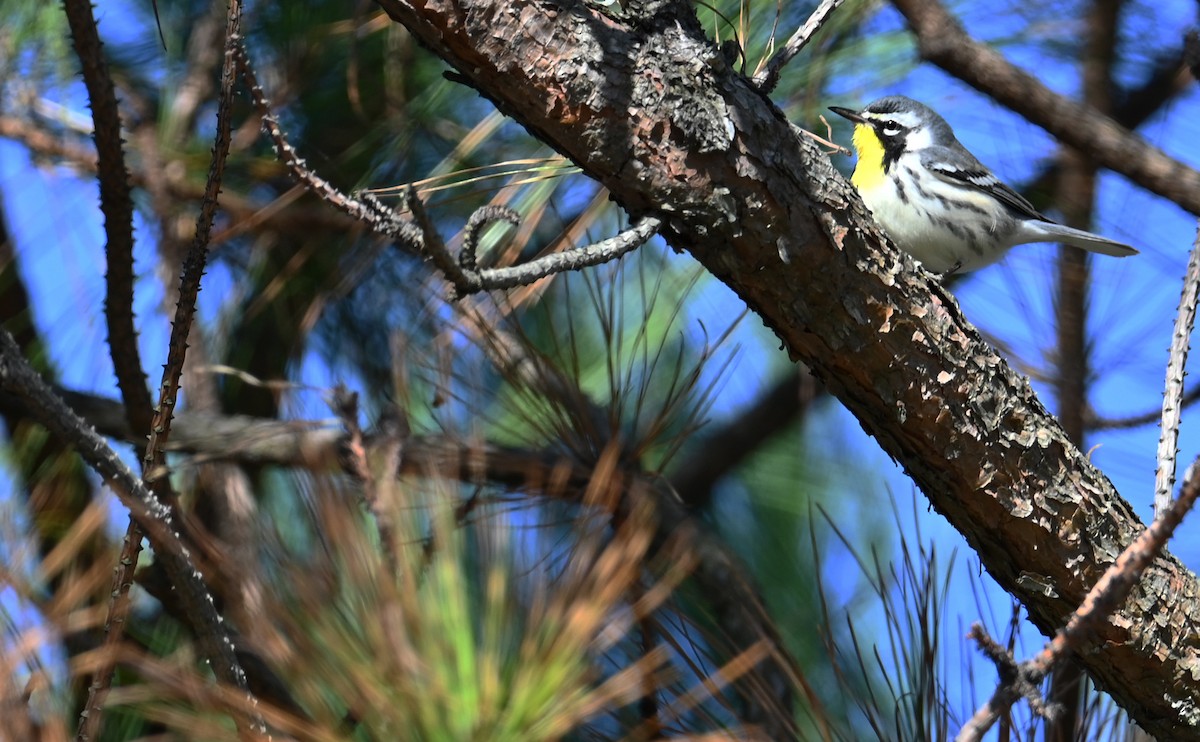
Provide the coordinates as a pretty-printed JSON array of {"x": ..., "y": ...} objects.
[{"x": 936, "y": 200}]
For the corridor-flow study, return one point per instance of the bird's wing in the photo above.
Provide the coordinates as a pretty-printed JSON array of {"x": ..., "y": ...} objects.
[{"x": 963, "y": 169}]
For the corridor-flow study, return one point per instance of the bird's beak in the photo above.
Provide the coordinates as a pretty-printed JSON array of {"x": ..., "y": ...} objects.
[{"x": 848, "y": 114}]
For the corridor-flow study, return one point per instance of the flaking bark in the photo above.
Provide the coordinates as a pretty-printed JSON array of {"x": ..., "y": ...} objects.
[{"x": 737, "y": 189}]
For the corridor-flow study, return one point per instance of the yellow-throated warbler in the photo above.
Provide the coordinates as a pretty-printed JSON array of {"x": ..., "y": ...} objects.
[{"x": 936, "y": 201}]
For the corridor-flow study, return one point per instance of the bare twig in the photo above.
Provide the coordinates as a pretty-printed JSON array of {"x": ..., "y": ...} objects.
[
  {"x": 116, "y": 202},
  {"x": 825, "y": 141},
  {"x": 1015, "y": 683},
  {"x": 456, "y": 272},
  {"x": 369, "y": 211},
  {"x": 420, "y": 234},
  {"x": 159, "y": 428},
  {"x": 1105, "y": 597},
  {"x": 473, "y": 231},
  {"x": 466, "y": 279},
  {"x": 572, "y": 260},
  {"x": 768, "y": 77},
  {"x": 1119, "y": 579},
  {"x": 1168, "y": 441},
  {"x": 209, "y": 633},
  {"x": 155, "y": 517},
  {"x": 197, "y": 255}
]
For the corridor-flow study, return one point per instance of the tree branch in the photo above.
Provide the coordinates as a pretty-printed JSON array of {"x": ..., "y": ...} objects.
[
  {"x": 723, "y": 449},
  {"x": 768, "y": 77},
  {"x": 1109, "y": 592},
  {"x": 736, "y": 188},
  {"x": 1173, "y": 396},
  {"x": 17, "y": 378},
  {"x": 116, "y": 201}
]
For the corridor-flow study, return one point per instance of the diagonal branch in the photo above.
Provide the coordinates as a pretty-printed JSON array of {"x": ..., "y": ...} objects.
[
  {"x": 368, "y": 210},
  {"x": 768, "y": 78},
  {"x": 17, "y": 378},
  {"x": 737, "y": 189},
  {"x": 214, "y": 639},
  {"x": 197, "y": 255},
  {"x": 116, "y": 202},
  {"x": 1109, "y": 592}
]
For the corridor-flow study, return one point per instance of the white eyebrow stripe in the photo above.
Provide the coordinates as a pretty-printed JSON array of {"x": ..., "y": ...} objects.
[{"x": 907, "y": 119}]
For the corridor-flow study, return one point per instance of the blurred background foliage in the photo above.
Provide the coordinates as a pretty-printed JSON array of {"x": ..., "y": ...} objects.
[{"x": 470, "y": 634}]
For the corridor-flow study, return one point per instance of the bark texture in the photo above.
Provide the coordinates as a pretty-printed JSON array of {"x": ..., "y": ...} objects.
[{"x": 654, "y": 112}]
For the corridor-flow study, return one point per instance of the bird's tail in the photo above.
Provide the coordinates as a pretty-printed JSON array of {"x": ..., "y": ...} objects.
[{"x": 1051, "y": 232}]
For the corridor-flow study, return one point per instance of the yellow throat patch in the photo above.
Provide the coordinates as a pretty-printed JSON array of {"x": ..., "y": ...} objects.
[{"x": 868, "y": 173}]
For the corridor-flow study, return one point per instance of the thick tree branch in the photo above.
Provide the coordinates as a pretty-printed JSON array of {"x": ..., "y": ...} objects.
[
  {"x": 1109, "y": 592},
  {"x": 655, "y": 114}
]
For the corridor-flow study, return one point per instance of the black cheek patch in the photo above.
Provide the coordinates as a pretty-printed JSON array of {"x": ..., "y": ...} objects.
[{"x": 893, "y": 147}]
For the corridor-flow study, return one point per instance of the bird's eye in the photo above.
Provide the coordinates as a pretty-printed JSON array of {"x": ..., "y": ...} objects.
[{"x": 892, "y": 130}]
